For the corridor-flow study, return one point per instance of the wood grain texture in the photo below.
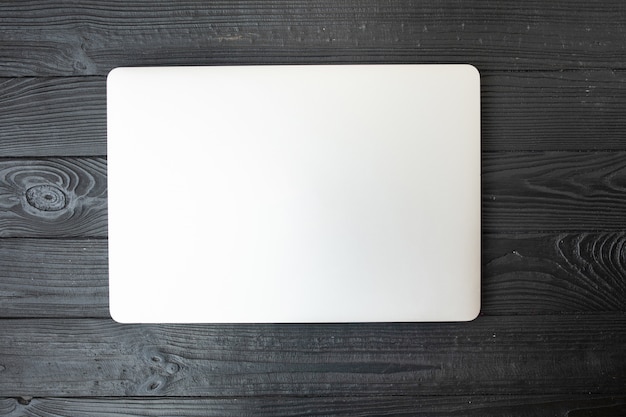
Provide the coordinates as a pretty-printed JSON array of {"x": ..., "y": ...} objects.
[
  {"x": 478, "y": 406},
  {"x": 552, "y": 80},
  {"x": 53, "y": 197},
  {"x": 51, "y": 278},
  {"x": 491, "y": 355},
  {"x": 520, "y": 111},
  {"x": 542, "y": 273},
  {"x": 89, "y": 37},
  {"x": 522, "y": 274},
  {"x": 554, "y": 191},
  {"x": 522, "y": 192},
  {"x": 53, "y": 116},
  {"x": 567, "y": 110}
]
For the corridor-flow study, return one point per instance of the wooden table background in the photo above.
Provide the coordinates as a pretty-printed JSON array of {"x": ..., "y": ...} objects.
[{"x": 551, "y": 339}]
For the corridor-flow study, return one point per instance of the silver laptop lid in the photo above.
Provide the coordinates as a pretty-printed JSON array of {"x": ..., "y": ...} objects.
[{"x": 294, "y": 193}]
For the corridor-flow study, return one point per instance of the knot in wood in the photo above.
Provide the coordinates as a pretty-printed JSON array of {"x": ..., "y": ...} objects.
[
  {"x": 24, "y": 400},
  {"x": 46, "y": 198}
]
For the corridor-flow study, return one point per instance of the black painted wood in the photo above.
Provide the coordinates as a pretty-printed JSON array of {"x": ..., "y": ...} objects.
[
  {"x": 62, "y": 116},
  {"x": 556, "y": 354},
  {"x": 522, "y": 192},
  {"x": 89, "y": 37},
  {"x": 55, "y": 197},
  {"x": 522, "y": 274},
  {"x": 478, "y": 406},
  {"x": 552, "y": 80},
  {"x": 554, "y": 191},
  {"x": 66, "y": 116},
  {"x": 565, "y": 110},
  {"x": 565, "y": 272},
  {"x": 53, "y": 278}
]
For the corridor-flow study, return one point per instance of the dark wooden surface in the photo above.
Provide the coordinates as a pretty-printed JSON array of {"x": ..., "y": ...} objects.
[
  {"x": 476, "y": 406},
  {"x": 494, "y": 355},
  {"x": 551, "y": 338}
]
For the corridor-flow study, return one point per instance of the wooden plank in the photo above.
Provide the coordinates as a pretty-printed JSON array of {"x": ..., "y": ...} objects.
[
  {"x": 554, "y": 191},
  {"x": 493, "y": 405},
  {"x": 522, "y": 274},
  {"x": 570, "y": 110},
  {"x": 521, "y": 111},
  {"x": 90, "y": 37},
  {"x": 53, "y": 278},
  {"x": 56, "y": 197},
  {"x": 53, "y": 116},
  {"x": 559, "y": 354},
  {"x": 522, "y": 192},
  {"x": 542, "y": 273}
]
